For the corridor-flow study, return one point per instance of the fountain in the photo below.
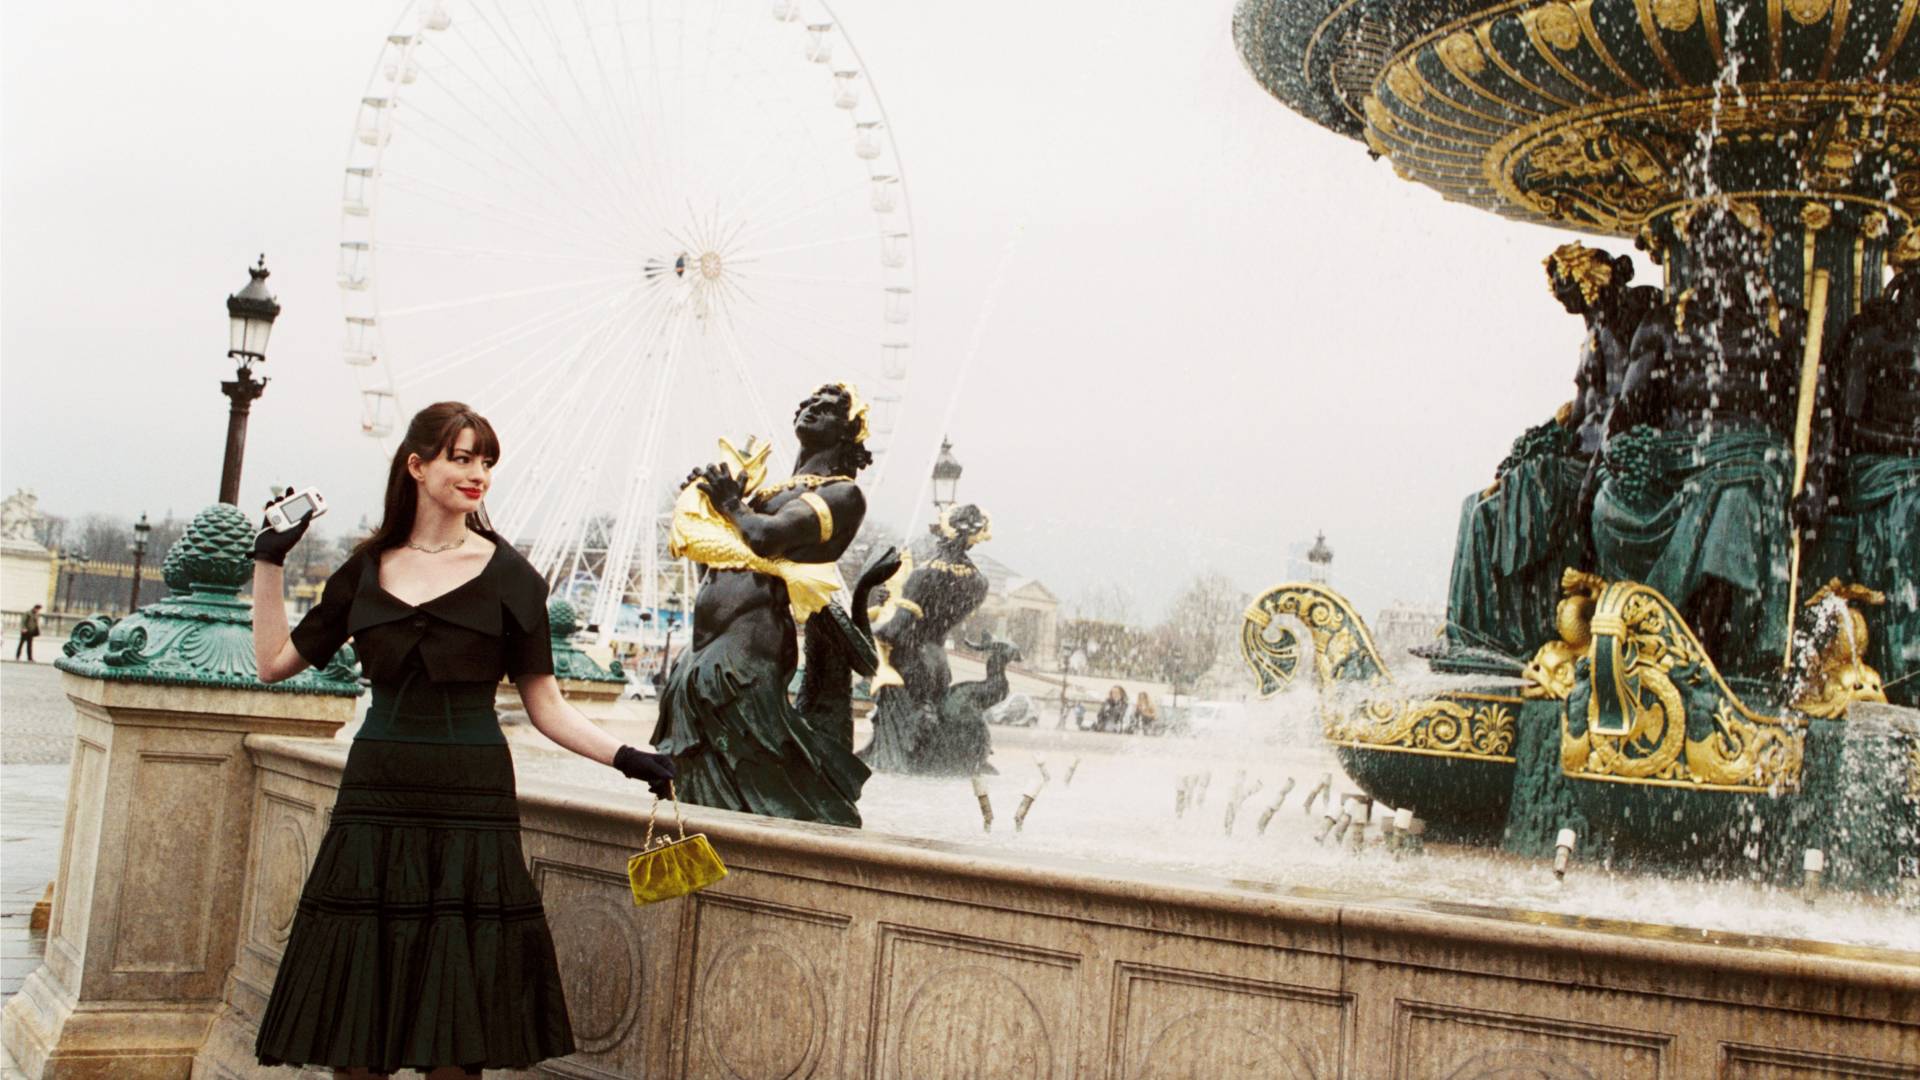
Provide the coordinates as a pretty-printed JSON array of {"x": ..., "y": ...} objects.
[{"x": 1729, "y": 504}]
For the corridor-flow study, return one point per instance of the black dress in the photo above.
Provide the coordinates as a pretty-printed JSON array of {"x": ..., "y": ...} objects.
[{"x": 420, "y": 940}]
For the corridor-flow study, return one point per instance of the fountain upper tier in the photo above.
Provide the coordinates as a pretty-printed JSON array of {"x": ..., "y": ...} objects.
[{"x": 1609, "y": 116}]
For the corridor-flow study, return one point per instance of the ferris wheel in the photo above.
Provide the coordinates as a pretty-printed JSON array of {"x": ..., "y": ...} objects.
[{"x": 621, "y": 229}]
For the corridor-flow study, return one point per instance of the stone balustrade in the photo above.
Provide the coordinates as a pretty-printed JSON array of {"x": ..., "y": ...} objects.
[{"x": 830, "y": 952}]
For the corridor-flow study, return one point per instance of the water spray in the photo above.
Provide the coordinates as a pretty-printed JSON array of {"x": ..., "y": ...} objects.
[
  {"x": 1071, "y": 769},
  {"x": 1027, "y": 798},
  {"x": 1345, "y": 821},
  {"x": 1183, "y": 794},
  {"x": 1240, "y": 796},
  {"x": 1814, "y": 863},
  {"x": 1200, "y": 792},
  {"x": 986, "y": 803},
  {"x": 1266, "y": 816},
  {"x": 1563, "y": 853}
]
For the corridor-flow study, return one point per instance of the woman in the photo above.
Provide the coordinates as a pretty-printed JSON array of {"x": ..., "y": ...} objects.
[
  {"x": 1113, "y": 711},
  {"x": 420, "y": 941},
  {"x": 1146, "y": 718}
]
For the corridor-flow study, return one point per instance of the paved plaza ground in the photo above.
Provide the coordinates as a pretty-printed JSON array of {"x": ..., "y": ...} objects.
[{"x": 36, "y": 741}]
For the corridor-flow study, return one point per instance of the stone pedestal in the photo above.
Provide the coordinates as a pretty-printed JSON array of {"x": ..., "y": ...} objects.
[{"x": 152, "y": 866}]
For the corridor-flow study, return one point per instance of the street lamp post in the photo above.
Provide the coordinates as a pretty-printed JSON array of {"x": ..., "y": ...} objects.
[
  {"x": 74, "y": 565},
  {"x": 250, "y": 315},
  {"x": 946, "y": 477},
  {"x": 140, "y": 531}
]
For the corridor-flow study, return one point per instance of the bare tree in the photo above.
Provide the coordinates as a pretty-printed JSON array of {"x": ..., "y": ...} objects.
[
  {"x": 1197, "y": 628},
  {"x": 1107, "y": 602},
  {"x": 103, "y": 538}
]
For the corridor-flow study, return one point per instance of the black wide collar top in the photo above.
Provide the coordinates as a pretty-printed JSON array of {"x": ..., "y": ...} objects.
[{"x": 494, "y": 624}]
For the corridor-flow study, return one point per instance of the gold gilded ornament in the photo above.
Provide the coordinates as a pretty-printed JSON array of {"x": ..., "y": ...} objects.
[
  {"x": 1405, "y": 84},
  {"x": 1379, "y": 115},
  {"x": 1677, "y": 16},
  {"x": 1907, "y": 251},
  {"x": 1808, "y": 12},
  {"x": 703, "y": 534},
  {"x": 1637, "y": 713},
  {"x": 1557, "y": 25},
  {"x": 1816, "y": 215},
  {"x": 856, "y": 411},
  {"x": 1586, "y": 267},
  {"x": 1840, "y": 675},
  {"x": 1550, "y": 673},
  {"x": 1463, "y": 54}
]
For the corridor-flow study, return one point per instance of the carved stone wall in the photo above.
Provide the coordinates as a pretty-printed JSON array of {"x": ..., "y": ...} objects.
[{"x": 829, "y": 953}]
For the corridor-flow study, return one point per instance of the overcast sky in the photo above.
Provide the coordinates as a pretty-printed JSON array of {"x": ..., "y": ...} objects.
[{"x": 1221, "y": 329}]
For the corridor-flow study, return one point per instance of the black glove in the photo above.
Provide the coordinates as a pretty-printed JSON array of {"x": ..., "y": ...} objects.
[
  {"x": 272, "y": 547},
  {"x": 653, "y": 770}
]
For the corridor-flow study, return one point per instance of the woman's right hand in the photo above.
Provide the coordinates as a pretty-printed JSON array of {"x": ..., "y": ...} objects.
[{"x": 270, "y": 546}]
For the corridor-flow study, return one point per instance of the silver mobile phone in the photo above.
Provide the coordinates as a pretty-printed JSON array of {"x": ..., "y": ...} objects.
[{"x": 286, "y": 513}]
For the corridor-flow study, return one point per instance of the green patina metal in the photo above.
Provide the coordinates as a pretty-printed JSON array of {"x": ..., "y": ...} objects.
[
  {"x": 563, "y": 621},
  {"x": 203, "y": 634},
  {"x": 1615, "y": 116}
]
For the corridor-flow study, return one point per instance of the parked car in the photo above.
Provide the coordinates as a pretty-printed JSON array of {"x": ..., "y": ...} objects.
[{"x": 1016, "y": 711}]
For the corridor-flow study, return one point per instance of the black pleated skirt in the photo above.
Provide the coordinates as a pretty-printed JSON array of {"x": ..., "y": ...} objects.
[{"x": 420, "y": 940}]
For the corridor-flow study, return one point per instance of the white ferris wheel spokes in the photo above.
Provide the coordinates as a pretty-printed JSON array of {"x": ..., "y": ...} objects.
[{"x": 621, "y": 229}]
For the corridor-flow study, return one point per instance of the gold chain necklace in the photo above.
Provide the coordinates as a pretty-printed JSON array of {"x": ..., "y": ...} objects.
[
  {"x": 436, "y": 550},
  {"x": 808, "y": 481}
]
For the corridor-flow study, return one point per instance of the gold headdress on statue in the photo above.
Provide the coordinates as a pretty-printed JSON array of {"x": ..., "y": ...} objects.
[
  {"x": 1586, "y": 267},
  {"x": 856, "y": 411},
  {"x": 983, "y": 533}
]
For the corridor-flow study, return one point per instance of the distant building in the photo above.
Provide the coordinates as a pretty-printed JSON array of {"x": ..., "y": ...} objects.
[
  {"x": 1401, "y": 627},
  {"x": 1018, "y": 609}
]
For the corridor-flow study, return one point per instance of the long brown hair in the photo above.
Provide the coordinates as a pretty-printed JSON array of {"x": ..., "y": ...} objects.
[{"x": 431, "y": 433}]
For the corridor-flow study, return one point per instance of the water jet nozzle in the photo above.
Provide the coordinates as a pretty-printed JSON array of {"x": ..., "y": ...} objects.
[
  {"x": 1026, "y": 801},
  {"x": 1814, "y": 863},
  {"x": 1562, "y": 853},
  {"x": 1267, "y": 815},
  {"x": 1400, "y": 832},
  {"x": 1323, "y": 788},
  {"x": 1327, "y": 825},
  {"x": 986, "y": 804},
  {"x": 1362, "y": 814},
  {"x": 1241, "y": 794}
]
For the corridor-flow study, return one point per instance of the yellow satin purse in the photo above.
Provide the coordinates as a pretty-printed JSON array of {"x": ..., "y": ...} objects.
[{"x": 672, "y": 868}]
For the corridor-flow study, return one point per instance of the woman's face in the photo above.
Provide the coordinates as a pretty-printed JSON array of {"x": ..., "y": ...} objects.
[{"x": 456, "y": 481}]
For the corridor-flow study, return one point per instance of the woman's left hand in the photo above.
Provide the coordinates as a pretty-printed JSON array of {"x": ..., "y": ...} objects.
[{"x": 654, "y": 770}]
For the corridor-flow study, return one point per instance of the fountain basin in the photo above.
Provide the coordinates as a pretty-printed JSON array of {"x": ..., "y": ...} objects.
[{"x": 835, "y": 952}]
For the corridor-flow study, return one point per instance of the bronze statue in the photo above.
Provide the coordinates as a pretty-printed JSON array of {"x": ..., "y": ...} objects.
[
  {"x": 1518, "y": 535},
  {"x": 768, "y": 552},
  {"x": 934, "y": 601},
  {"x": 1874, "y": 373},
  {"x": 1691, "y": 493}
]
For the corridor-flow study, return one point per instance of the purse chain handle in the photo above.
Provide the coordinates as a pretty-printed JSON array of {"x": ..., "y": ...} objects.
[{"x": 679, "y": 819}]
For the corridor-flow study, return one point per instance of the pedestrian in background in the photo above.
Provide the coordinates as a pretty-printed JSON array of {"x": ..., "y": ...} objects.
[{"x": 29, "y": 629}]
